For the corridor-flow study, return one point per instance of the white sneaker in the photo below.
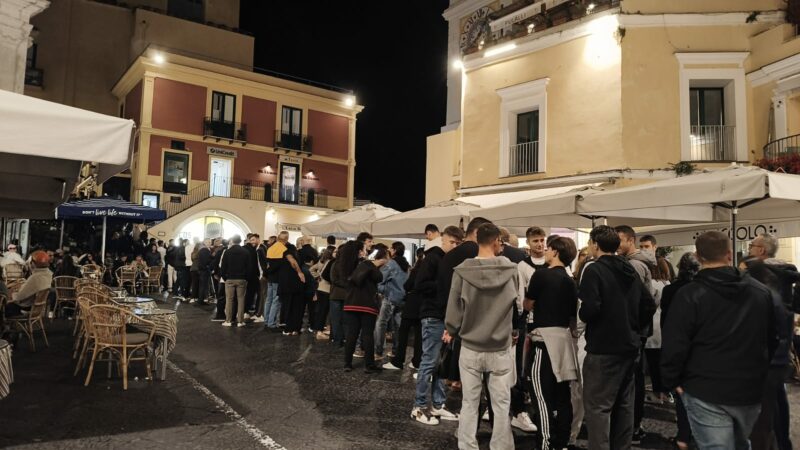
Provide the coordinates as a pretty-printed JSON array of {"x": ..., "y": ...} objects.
[
  {"x": 246, "y": 316},
  {"x": 390, "y": 366},
  {"x": 522, "y": 422},
  {"x": 415, "y": 375},
  {"x": 240, "y": 324},
  {"x": 443, "y": 414},
  {"x": 258, "y": 319},
  {"x": 227, "y": 324},
  {"x": 50, "y": 314},
  {"x": 422, "y": 416},
  {"x": 193, "y": 301}
]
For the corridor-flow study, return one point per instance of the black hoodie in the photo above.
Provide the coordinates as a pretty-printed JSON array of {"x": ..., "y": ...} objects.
[
  {"x": 615, "y": 306},
  {"x": 719, "y": 338},
  {"x": 787, "y": 278},
  {"x": 425, "y": 284}
]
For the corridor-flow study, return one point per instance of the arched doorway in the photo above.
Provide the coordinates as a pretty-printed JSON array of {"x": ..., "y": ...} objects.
[{"x": 210, "y": 225}]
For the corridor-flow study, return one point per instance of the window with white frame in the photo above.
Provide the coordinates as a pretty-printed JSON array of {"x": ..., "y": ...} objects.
[
  {"x": 523, "y": 113},
  {"x": 713, "y": 109}
]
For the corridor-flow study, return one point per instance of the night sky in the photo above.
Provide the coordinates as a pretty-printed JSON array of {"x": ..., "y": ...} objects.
[{"x": 393, "y": 55}]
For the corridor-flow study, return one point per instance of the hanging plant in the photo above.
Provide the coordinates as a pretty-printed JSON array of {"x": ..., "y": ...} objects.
[
  {"x": 683, "y": 168},
  {"x": 786, "y": 163}
]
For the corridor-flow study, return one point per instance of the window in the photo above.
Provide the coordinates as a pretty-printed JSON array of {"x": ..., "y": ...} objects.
[
  {"x": 291, "y": 128},
  {"x": 186, "y": 9},
  {"x": 149, "y": 199},
  {"x": 223, "y": 114},
  {"x": 523, "y": 113},
  {"x": 713, "y": 104},
  {"x": 30, "y": 60},
  {"x": 176, "y": 173}
]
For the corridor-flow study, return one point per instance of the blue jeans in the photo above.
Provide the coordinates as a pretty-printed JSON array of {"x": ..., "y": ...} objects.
[
  {"x": 720, "y": 426},
  {"x": 432, "y": 331},
  {"x": 337, "y": 321},
  {"x": 272, "y": 307},
  {"x": 388, "y": 313}
]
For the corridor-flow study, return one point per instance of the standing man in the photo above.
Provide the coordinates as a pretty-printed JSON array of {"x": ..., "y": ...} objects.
[
  {"x": 235, "y": 269},
  {"x": 663, "y": 269},
  {"x": 263, "y": 281},
  {"x": 220, "y": 246},
  {"x": 717, "y": 345},
  {"x": 367, "y": 239},
  {"x": 169, "y": 259},
  {"x": 432, "y": 235},
  {"x": 480, "y": 311},
  {"x": 204, "y": 259},
  {"x": 272, "y": 304},
  {"x": 253, "y": 241},
  {"x": 614, "y": 305},
  {"x": 432, "y": 313},
  {"x": 645, "y": 264},
  {"x": 511, "y": 252}
]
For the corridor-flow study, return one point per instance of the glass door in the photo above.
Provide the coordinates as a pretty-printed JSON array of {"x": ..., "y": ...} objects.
[
  {"x": 220, "y": 177},
  {"x": 291, "y": 128},
  {"x": 289, "y": 191}
]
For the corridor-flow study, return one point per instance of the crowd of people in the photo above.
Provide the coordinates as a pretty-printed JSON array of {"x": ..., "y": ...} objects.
[{"x": 546, "y": 340}]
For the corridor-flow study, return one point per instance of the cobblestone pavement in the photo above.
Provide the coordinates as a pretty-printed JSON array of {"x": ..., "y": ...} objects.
[{"x": 236, "y": 388}]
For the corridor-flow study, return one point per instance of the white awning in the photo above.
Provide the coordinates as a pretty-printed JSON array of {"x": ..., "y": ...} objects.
[
  {"x": 42, "y": 147},
  {"x": 348, "y": 223},
  {"x": 411, "y": 224}
]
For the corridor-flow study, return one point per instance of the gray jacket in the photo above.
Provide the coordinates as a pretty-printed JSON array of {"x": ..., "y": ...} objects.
[{"x": 480, "y": 309}]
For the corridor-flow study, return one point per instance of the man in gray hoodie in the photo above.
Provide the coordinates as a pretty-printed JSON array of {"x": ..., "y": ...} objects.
[{"x": 480, "y": 311}]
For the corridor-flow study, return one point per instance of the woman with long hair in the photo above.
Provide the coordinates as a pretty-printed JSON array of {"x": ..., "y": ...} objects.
[
  {"x": 361, "y": 305},
  {"x": 318, "y": 312},
  {"x": 347, "y": 257},
  {"x": 688, "y": 267}
]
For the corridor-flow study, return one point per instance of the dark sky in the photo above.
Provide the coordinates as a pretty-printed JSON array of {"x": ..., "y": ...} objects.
[{"x": 393, "y": 55}]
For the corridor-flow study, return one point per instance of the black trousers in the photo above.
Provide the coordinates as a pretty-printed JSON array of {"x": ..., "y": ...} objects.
[
  {"x": 356, "y": 323},
  {"x": 399, "y": 359},
  {"x": 765, "y": 432},
  {"x": 296, "y": 305},
  {"x": 181, "y": 285},
  {"x": 318, "y": 312},
  {"x": 220, "y": 300},
  {"x": 251, "y": 295},
  {"x": 653, "y": 356},
  {"x": 194, "y": 290},
  {"x": 638, "y": 389},
  {"x": 684, "y": 428},
  {"x": 203, "y": 280},
  {"x": 608, "y": 400},
  {"x": 552, "y": 400}
]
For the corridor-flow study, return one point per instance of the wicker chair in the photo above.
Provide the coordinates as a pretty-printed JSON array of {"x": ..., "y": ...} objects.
[
  {"x": 109, "y": 329},
  {"x": 127, "y": 274},
  {"x": 98, "y": 294},
  {"x": 29, "y": 322},
  {"x": 13, "y": 272},
  {"x": 93, "y": 271},
  {"x": 153, "y": 280},
  {"x": 65, "y": 293}
]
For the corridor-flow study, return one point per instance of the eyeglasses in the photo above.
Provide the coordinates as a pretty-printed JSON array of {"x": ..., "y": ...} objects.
[
  {"x": 12, "y": 248},
  {"x": 754, "y": 245}
]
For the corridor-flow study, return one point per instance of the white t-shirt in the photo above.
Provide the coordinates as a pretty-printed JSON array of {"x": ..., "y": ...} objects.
[{"x": 525, "y": 272}]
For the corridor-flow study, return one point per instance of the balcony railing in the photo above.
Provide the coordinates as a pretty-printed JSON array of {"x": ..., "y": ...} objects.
[
  {"x": 782, "y": 147},
  {"x": 713, "y": 142},
  {"x": 293, "y": 142},
  {"x": 527, "y": 17},
  {"x": 34, "y": 77},
  {"x": 223, "y": 129},
  {"x": 241, "y": 189},
  {"x": 523, "y": 158}
]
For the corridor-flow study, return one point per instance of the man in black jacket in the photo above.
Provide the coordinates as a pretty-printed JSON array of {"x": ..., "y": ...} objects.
[
  {"x": 717, "y": 345},
  {"x": 615, "y": 307},
  {"x": 203, "y": 273},
  {"x": 218, "y": 252},
  {"x": 432, "y": 323},
  {"x": 235, "y": 268}
]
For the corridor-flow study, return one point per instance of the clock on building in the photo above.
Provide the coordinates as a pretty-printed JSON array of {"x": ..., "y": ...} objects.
[{"x": 474, "y": 27}]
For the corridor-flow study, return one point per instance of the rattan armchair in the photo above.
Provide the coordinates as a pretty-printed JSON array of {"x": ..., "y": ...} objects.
[
  {"x": 65, "y": 293},
  {"x": 13, "y": 271},
  {"x": 93, "y": 271},
  {"x": 153, "y": 280},
  {"x": 109, "y": 331},
  {"x": 28, "y": 323},
  {"x": 127, "y": 274}
]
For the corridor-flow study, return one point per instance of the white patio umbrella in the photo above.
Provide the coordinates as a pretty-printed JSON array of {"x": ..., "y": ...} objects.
[
  {"x": 411, "y": 224},
  {"x": 348, "y": 223},
  {"x": 564, "y": 210},
  {"x": 42, "y": 147},
  {"x": 731, "y": 194}
]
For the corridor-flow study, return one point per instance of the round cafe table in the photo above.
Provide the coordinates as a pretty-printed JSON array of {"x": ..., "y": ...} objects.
[
  {"x": 6, "y": 371},
  {"x": 166, "y": 334}
]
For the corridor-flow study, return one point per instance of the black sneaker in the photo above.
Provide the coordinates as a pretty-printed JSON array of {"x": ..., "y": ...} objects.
[
  {"x": 348, "y": 368},
  {"x": 638, "y": 436}
]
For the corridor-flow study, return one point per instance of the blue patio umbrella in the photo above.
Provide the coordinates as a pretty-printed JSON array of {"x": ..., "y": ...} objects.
[{"x": 106, "y": 207}]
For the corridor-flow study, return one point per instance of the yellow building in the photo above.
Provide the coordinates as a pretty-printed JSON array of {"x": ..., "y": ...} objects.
[{"x": 558, "y": 93}]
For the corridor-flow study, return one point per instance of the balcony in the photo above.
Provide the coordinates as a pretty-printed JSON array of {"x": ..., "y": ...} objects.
[
  {"x": 523, "y": 158},
  {"x": 782, "y": 147},
  {"x": 34, "y": 77},
  {"x": 712, "y": 142},
  {"x": 292, "y": 142},
  {"x": 224, "y": 130},
  {"x": 528, "y": 17}
]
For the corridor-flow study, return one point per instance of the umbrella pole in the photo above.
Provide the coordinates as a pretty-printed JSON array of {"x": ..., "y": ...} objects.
[
  {"x": 61, "y": 237},
  {"x": 734, "y": 213},
  {"x": 103, "y": 245}
]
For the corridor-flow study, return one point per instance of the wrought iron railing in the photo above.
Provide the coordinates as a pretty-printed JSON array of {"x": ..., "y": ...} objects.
[
  {"x": 34, "y": 77},
  {"x": 286, "y": 140},
  {"x": 223, "y": 129},
  {"x": 782, "y": 147},
  {"x": 176, "y": 203},
  {"x": 523, "y": 158},
  {"x": 713, "y": 142}
]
